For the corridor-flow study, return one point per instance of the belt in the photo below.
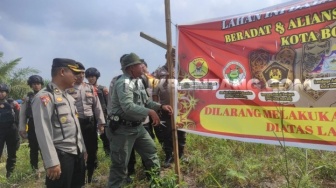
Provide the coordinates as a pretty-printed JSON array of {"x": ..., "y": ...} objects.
[
  {"x": 87, "y": 118},
  {"x": 124, "y": 122}
]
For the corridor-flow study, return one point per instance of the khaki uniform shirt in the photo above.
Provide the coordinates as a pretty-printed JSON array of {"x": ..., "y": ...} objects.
[
  {"x": 23, "y": 117},
  {"x": 53, "y": 112},
  {"x": 162, "y": 90},
  {"x": 129, "y": 99},
  {"x": 87, "y": 102}
]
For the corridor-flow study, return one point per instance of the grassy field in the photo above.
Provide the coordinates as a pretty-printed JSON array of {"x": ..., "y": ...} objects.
[{"x": 213, "y": 162}]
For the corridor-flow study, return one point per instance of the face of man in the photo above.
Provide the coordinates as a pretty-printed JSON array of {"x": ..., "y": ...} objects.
[
  {"x": 69, "y": 77},
  {"x": 92, "y": 80},
  {"x": 144, "y": 69},
  {"x": 80, "y": 77},
  {"x": 3, "y": 95},
  {"x": 36, "y": 86},
  {"x": 136, "y": 70}
]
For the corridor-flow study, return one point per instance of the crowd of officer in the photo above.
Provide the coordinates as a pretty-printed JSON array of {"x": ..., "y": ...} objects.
[{"x": 62, "y": 119}]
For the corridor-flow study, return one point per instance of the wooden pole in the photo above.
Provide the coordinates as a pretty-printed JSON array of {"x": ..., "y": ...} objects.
[{"x": 171, "y": 77}]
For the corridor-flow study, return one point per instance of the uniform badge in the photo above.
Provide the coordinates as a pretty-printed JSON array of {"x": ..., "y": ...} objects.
[
  {"x": 57, "y": 91},
  {"x": 63, "y": 119},
  {"x": 116, "y": 118},
  {"x": 71, "y": 91},
  {"x": 59, "y": 99},
  {"x": 45, "y": 99},
  {"x": 2, "y": 106}
]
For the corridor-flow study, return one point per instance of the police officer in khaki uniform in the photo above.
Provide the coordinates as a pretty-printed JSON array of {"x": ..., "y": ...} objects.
[
  {"x": 89, "y": 108},
  {"x": 161, "y": 94},
  {"x": 92, "y": 75},
  {"x": 57, "y": 128},
  {"x": 9, "y": 135},
  {"x": 129, "y": 108},
  {"x": 26, "y": 117}
]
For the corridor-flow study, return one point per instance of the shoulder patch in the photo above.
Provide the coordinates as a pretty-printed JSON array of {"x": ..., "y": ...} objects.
[{"x": 45, "y": 99}]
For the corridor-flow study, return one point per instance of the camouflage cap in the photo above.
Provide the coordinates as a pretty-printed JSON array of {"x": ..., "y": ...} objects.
[{"x": 130, "y": 59}]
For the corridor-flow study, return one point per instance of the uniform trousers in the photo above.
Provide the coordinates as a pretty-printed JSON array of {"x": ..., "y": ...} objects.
[
  {"x": 89, "y": 132},
  {"x": 73, "y": 171},
  {"x": 132, "y": 160},
  {"x": 33, "y": 144},
  {"x": 122, "y": 141},
  {"x": 165, "y": 137},
  {"x": 9, "y": 135}
]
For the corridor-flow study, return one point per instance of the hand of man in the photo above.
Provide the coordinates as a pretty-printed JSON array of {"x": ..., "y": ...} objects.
[
  {"x": 168, "y": 108},
  {"x": 155, "y": 117},
  {"x": 54, "y": 172},
  {"x": 23, "y": 134},
  {"x": 85, "y": 156},
  {"x": 101, "y": 128}
]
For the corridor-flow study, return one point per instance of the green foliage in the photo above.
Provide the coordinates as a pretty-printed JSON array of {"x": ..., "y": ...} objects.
[
  {"x": 213, "y": 163},
  {"x": 15, "y": 78}
]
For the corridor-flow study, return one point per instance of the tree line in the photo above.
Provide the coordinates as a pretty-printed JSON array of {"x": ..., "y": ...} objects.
[{"x": 16, "y": 78}]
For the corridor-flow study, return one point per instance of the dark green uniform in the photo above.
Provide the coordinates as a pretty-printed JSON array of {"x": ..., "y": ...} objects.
[{"x": 128, "y": 108}]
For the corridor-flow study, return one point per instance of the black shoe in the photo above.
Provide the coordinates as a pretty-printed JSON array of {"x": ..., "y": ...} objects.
[
  {"x": 168, "y": 161},
  {"x": 129, "y": 180},
  {"x": 8, "y": 174}
]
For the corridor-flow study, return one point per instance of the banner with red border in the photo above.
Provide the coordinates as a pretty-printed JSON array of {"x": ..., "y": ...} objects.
[{"x": 267, "y": 76}]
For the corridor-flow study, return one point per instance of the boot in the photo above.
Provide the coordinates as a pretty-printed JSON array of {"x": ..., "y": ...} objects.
[
  {"x": 169, "y": 159},
  {"x": 181, "y": 151},
  {"x": 90, "y": 174}
]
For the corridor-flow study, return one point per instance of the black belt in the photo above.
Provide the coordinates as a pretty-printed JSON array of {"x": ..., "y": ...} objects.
[
  {"x": 87, "y": 118},
  {"x": 124, "y": 122}
]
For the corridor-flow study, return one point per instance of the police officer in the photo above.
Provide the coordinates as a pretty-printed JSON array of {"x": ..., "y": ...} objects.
[
  {"x": 26, "y": 116},
  {"x": 129, "y": 108},
  {"x": 9, "y": 112},
  {"x": 57, "y": 128},
  {"x": 92, "y": 75},
  {"x": 88, "y": 106},
  {"x": 161, "y": 94}
]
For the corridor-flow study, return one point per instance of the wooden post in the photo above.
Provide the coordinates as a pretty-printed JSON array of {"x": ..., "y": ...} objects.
[{"x": 171, "y": 76}]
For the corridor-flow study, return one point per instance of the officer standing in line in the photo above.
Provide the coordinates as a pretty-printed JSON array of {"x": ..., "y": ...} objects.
[
  {"x": 161, "y": 94},
  {"x": 92, "y": 75},
  {"x": 26, "y": 115},
  {"x": 57, "y": 128},
  {"x": 88, "y": 107},
  {"x": 129, "y": 108},
  {"x": 9, "y": 135}
]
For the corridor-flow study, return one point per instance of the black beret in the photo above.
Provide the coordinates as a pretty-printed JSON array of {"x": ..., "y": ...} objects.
[{"x": 64, "y": 62}]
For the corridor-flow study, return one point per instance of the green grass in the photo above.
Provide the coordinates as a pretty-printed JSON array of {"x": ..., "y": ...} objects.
[{"x": 213, "y": 163}]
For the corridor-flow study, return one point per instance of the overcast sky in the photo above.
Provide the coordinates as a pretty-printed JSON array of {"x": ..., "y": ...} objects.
[{"x": 98, "y": 32}]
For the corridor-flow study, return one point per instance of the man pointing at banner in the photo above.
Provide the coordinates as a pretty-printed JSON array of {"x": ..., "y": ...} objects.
[{"x": 129, "y": 109}]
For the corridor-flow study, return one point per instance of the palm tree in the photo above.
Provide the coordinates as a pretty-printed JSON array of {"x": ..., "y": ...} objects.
[{"x": 16, "y": 79}]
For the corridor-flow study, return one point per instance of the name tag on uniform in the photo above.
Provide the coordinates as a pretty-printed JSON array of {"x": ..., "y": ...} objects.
[{"x": 88, "y": 94}]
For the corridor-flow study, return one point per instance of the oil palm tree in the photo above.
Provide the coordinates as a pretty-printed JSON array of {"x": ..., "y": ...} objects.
[{"x": 15, "y": 78}]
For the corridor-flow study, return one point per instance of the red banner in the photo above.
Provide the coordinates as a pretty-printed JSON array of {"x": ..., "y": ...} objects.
[{"x": 268, "y": 76}]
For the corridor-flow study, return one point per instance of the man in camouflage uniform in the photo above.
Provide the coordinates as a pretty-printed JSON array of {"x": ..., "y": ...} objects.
[
  {"x": 88, "y": 107},
  {"x": 57, "y": 128},
  {"x": 129, "y": 108},
  {"x": 26, "y": 117},
  {"x": 9, "y": 114}
]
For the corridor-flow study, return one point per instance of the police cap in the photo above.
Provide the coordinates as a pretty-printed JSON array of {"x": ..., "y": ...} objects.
[{"x": 64, "y": 62}]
